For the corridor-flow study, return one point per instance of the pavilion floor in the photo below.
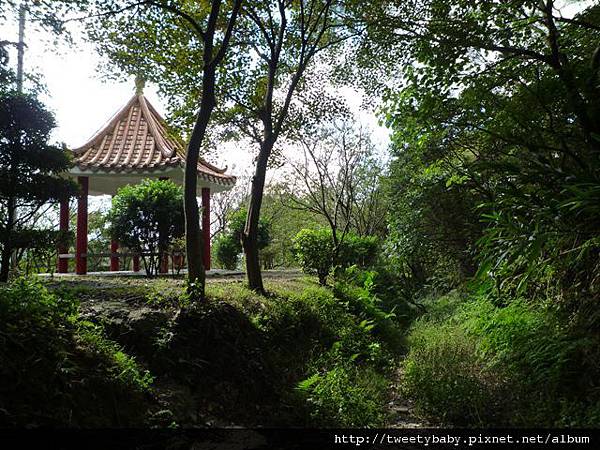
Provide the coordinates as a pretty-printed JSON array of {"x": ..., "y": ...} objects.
[{"x": 213, "y": 273}]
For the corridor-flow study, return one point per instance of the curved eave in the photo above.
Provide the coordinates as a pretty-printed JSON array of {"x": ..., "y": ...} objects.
[{"x": 107, "y": 182}]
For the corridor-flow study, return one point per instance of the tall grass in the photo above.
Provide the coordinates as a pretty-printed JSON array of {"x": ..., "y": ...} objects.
[{"x": 472, "y": 362}]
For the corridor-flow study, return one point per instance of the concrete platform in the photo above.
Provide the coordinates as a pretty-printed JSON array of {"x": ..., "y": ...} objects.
[{"x": 213, "y": 273}]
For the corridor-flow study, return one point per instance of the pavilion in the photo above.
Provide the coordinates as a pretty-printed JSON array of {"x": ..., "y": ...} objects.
[{"x": 133, "y": 145}]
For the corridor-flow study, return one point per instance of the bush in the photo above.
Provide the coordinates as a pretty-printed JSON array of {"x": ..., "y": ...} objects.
[
  {"x": 148, "y": 217},
  {"x": 57, "y": 370},
  {"x": 316, "y": 252},
  {"x": 227, "y": 250},
  {"x": 358, "y": 250},
  {"x": 475, "y": 363}
]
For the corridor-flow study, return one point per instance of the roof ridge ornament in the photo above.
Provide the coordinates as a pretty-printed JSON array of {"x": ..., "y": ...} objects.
[{"x": 140, "y": 83}]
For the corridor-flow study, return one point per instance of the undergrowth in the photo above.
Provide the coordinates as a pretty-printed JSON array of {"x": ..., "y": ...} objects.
[
  {"x": 475, "y": 362},
  {"x": 56, "y": 369},
  {"x": 304, "y": 355}
]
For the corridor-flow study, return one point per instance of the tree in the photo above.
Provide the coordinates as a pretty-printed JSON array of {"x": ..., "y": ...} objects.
[
  {"x": 36, "y": 249},
  {"x": 147, "y": 218},
  {"x": 338, "y": 180},
  {"x": 283, "y": 38},
  {"x": 223, "y": 204},
  {"x": 183, "y": 34},
  {"x": 28, "y": 170},
  {"x": 6, "y": 75},
  {"x": 286, "y": 37},
  {"x": 503, "y": 105}
]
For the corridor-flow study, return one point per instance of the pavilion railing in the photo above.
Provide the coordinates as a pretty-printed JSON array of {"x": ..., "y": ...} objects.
[{"x": 177, "y": 259}]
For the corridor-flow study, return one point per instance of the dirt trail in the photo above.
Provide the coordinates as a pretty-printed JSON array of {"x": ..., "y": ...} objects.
[{"x": 401, "y": 411}]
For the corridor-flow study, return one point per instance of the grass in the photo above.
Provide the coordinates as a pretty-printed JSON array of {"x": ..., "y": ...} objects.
[
  {"x": 474, "y": 363},
  {"x": 59, "y": 370},
  {"x": 299, "y": 356}
]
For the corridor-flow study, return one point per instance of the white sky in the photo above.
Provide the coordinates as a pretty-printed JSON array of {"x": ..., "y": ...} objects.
[{"x": 82, "y": 102}]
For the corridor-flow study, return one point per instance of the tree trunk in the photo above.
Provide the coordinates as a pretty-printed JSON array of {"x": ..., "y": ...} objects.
[
  {"x": 5, "y": 261},
  {"x": 250, "y": 234},
  {"x": 193, "y": 241},
  {"x": 7, "y": 244}
]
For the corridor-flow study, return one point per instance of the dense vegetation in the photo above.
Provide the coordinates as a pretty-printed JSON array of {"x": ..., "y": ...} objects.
[
  {"x": 298, "y": 357},
  {"x": 495, "y": 187},
  {"x": 463, "y": 266}
]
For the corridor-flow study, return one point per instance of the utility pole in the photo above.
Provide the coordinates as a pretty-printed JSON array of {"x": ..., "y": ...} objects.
[
  {"x": 21, "y": 46},
  {"x": 12, "y": 209}
]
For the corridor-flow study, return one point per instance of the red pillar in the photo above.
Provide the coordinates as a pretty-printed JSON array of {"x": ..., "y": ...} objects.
[
  {"x": 164, "y": 258},
  {"x": 136, "y": 263},
  {"x": 62, "y": 265},
  {"x": 164, "y": 263},
  {"x": 114, "y": 260},
  {"x": 206, "y": 227},
  {"x": 82, "y": 226}
]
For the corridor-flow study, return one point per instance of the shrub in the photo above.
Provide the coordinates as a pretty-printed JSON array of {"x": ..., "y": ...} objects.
[
  {"x": 148, "y": 217},
  {"x": 227, "y": 250},
  {"x": 58, "y": 370},
  {"x": 358, "y": 250},
  {"x": 316, "y": 252}
]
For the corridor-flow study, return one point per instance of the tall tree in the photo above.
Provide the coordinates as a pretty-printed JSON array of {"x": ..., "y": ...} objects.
[
  {"x": 280, "y": 41},
  {"x": 154, "y": 38},
  {"x": 275, "y": 43},
  {"x": 337, "y": 178},
  {"x": 28, "y": 169}
]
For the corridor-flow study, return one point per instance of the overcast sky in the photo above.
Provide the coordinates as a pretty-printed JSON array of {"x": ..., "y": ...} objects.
[{"x": 82, "y": 101}]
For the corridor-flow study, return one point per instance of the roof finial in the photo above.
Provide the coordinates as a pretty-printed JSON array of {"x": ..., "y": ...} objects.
[{"x": 140, "y": 82}]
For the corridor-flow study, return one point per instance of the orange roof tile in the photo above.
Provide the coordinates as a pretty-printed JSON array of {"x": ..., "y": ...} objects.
[{"x": 136, "y": 139}]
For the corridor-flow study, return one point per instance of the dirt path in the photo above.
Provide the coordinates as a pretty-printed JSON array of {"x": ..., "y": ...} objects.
[{"x": 401, "y": 411}]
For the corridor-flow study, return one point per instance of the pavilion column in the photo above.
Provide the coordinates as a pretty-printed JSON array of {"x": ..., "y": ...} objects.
[
  {"x": 82, "y": 226},
  {"x": 114, "y": 258},
  {"x": 62, "y": 264},
  {"x": 136, "y": 263},
  {"x": 164, "y": 257},
  {"x": 164, "y": 263},
  {"x": 206, "y": 227}
]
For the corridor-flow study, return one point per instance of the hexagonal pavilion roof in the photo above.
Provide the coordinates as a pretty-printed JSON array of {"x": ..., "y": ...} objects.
[{"x": 136, "y": 144}]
